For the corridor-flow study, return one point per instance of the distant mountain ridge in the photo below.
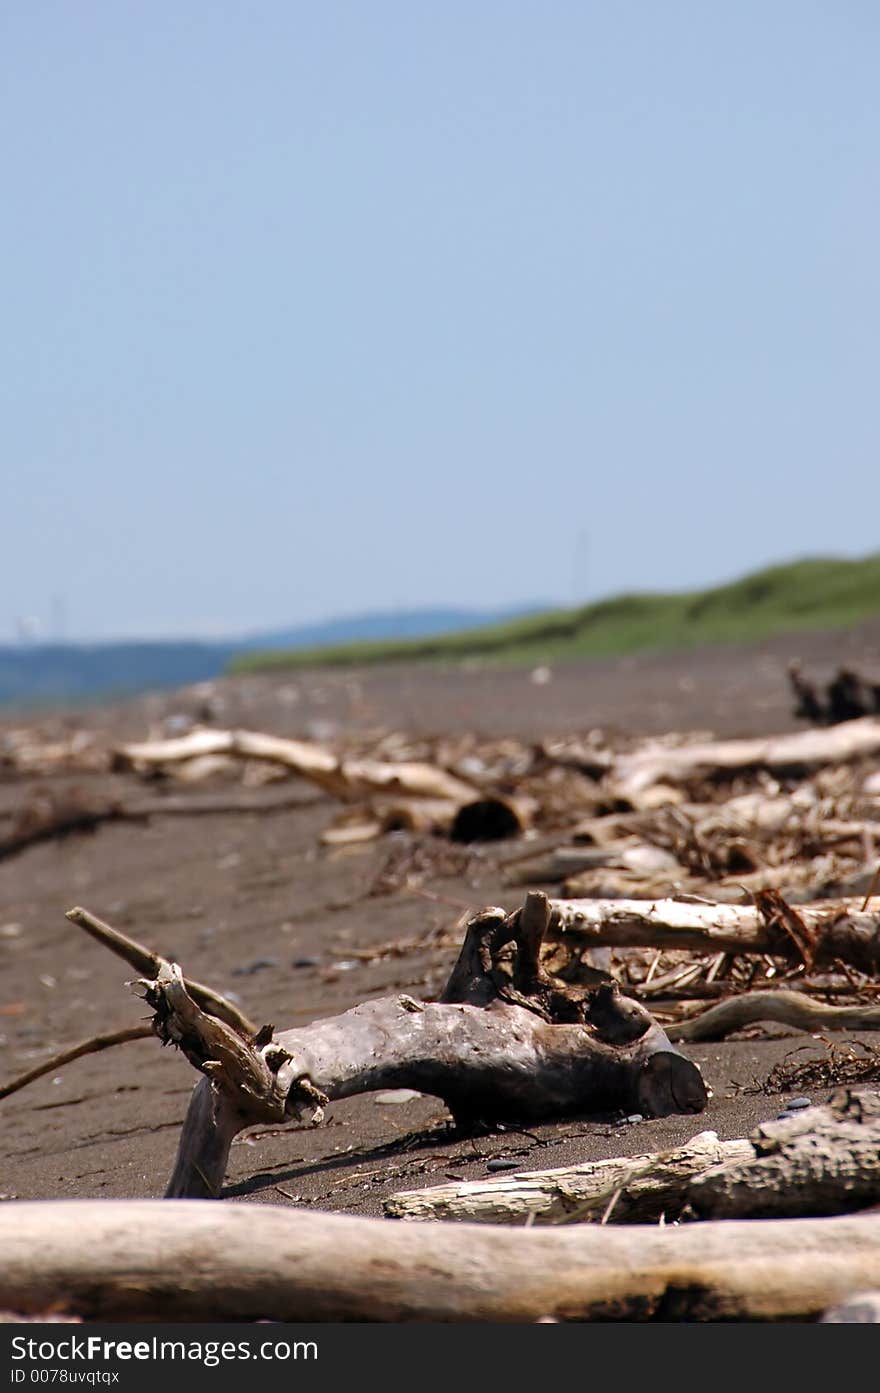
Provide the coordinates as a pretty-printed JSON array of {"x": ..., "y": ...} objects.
[
  {"x": 380, "y": 624},
  {"x": 45, "y": 673},
  {"x": 811, "y": 593}
]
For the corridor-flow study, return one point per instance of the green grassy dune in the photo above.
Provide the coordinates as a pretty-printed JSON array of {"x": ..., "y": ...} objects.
[{"x": 818, "y": 593}]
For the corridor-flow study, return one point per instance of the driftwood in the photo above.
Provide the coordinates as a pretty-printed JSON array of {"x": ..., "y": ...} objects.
[
  {"x": 804, "y": 750},
  {"x": 821, "y": 933},
  {"x": 625, "y": 1189},
  {"x": 343, "y": 778},
  {"x": 93, "y": 1045},
  {"x": 505, "y": 1040},
  {"x": 184, "y": 1261},
  {"x": 784, "y": 1007},
  {"x": 823, "y": 1160},
  {"x": 26, "y": 751},
  {"x": 52, "y": 815},
  {"x": 144, "y": 960},
  {"x": 484, "y": 819}
]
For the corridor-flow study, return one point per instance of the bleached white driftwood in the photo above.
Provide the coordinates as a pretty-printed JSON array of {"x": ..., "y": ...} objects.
[
  {"x": 820, "y": 1160},
  {"x": 640, "y": 1188},
  {"x": 804, "y": 750},
  {"x": 839, "y": 927},
  {"x": 185, "y": 1260}
]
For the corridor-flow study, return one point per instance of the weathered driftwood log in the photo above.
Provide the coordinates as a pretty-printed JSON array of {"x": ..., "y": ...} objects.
[
  {"x": 625, "y": 1189},
  {"x": 405, "y": 814},
  {"x": 489, "y": 818},
  {"x": 804, "y": 750},
  {"x": 179, "y": 1261},
  {"x": 505, "y": 1040},
  {"x": 819, "y": 933},
  {"x": 343, "y": 778},
  {"x": 51, "y": 815},
  {"x": 823, "y": 1160},
  {"x": 785, "y": 1008}
]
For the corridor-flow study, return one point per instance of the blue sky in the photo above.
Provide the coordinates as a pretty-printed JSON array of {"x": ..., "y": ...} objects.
[{"x": 312, "y": 309}]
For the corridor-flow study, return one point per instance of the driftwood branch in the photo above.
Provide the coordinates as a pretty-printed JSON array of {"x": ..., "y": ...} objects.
[
  {"x": 802, "y": 751},
  {"x": 479, "y": 819},
  {"x": 825, "y": 932},
  {"x": 93, "y": 1045},
  {"x": 646, "y": 1187},
  {"x": 824, "y": 1160},
  {"x": 785, "y": 1008},
  {"x": 505, "y": 1040},
  {"x": 343, "y": 778},
  {"x": 247, "y": 1262}
]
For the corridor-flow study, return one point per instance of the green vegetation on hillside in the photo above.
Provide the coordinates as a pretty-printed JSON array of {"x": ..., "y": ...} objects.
[{"x": 811, "y": 594}]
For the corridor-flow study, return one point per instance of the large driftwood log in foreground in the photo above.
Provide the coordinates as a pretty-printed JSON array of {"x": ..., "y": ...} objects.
[
  {"x": 624, "y": 1189},
  {"x": 344, "y": 778},
  {"x": 145, "y": 1259},
  {"x": 807, "y": 749},
  {"x": 506, "y": 1040},
  {"x": 824, "y": 1160},
  {"x": 817, "y": 933}
]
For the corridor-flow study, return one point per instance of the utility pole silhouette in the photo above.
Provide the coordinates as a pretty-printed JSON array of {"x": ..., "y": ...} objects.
[{"x": 580, "y": 569}]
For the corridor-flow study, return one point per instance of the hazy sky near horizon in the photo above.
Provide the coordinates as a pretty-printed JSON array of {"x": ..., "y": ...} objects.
[{"x": 314, "y": 309}]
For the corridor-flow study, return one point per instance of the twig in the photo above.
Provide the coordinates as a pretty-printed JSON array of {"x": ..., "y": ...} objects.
[
  {"x": 653, "y": 968},
  {"x": 610, "y": 1206}
]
